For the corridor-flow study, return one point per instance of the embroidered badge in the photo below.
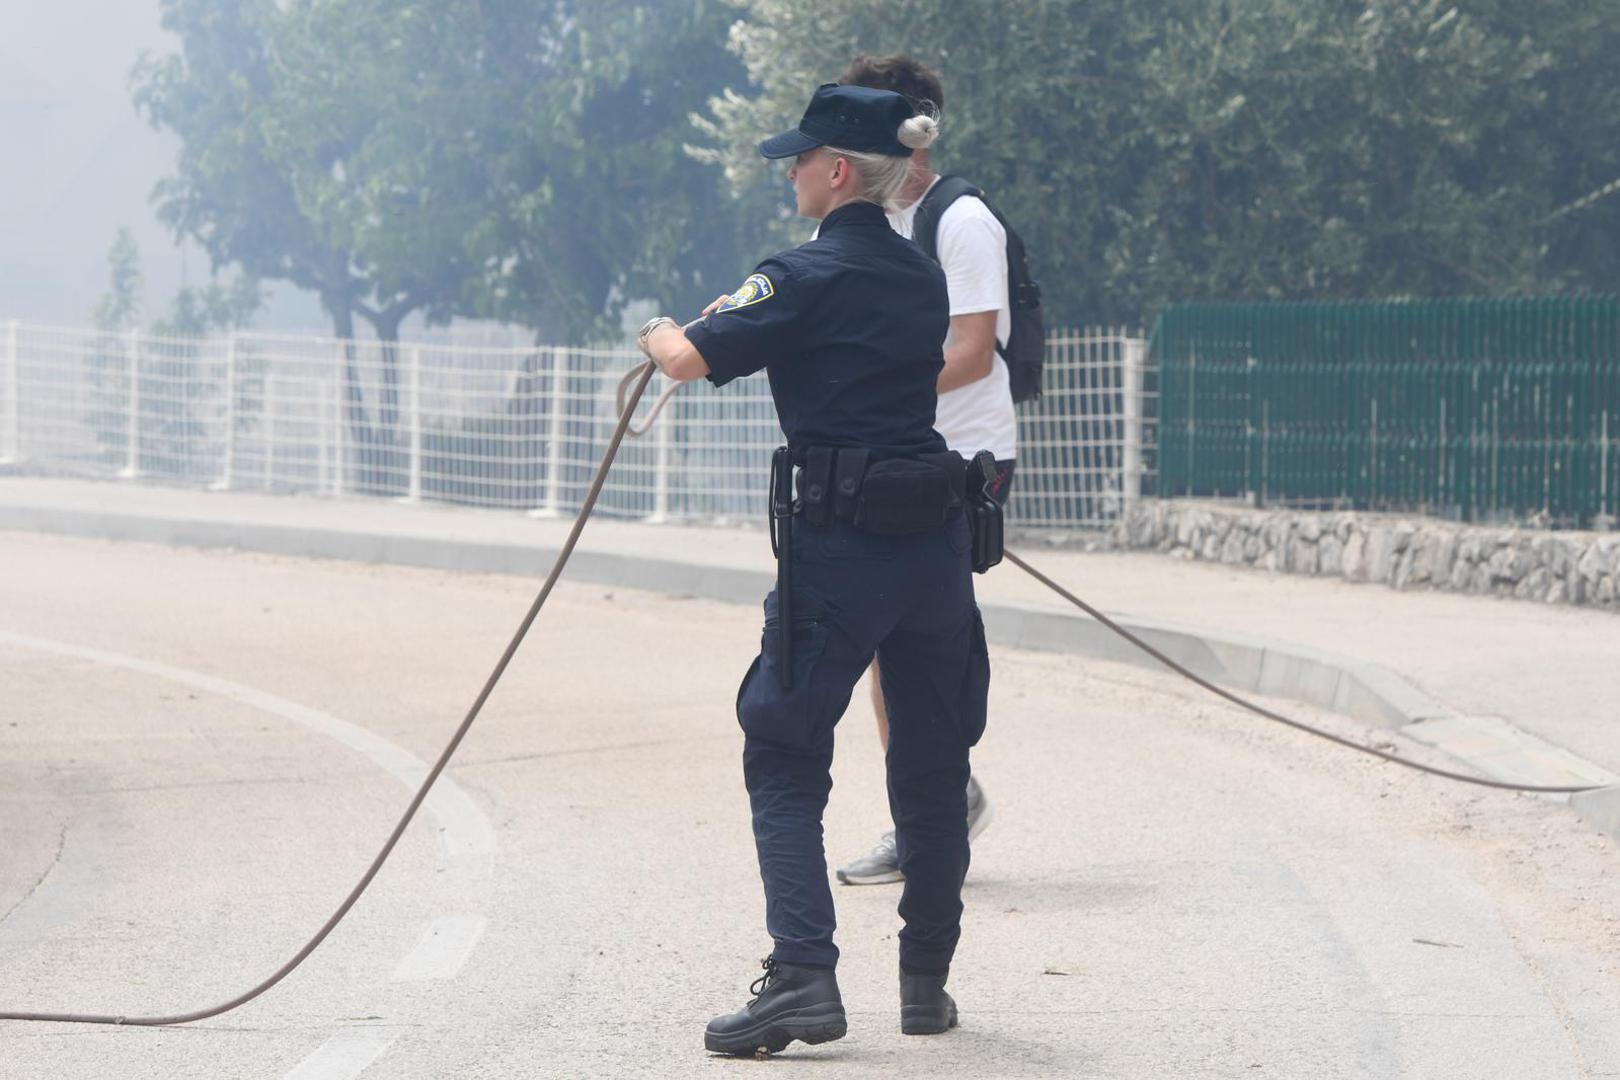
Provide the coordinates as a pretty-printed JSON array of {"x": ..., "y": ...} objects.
[{"x": 755, "y": 290}]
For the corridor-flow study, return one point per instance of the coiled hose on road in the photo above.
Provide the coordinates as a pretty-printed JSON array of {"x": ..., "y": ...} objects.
[{"x": 630, "y": 391}]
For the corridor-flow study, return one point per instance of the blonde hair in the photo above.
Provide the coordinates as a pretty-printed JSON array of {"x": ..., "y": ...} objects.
[{"x": 882, "y": 176}]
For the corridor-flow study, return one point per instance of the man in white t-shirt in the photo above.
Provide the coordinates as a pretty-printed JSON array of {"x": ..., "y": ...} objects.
[{"x": 975, "y": 410}]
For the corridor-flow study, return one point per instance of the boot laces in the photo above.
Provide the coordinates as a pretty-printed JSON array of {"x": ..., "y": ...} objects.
[{"x": 758, "y": 986}]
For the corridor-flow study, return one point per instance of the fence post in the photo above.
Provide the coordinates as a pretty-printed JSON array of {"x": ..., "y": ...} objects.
[
  {"x": 552, "y": 507},
  {"x": 340, "y": 436},
  {"x": 415, "y": 488},
  {"x": 1265, "y": 453},
  {"x": 323, "y": 438},
  {"x": 1192, "y": 415},
  {"x": 1604, "y": 520},
  {"x": 11, "y": 449},
  {"x": 269, "y": 431},
  {"x": 1253, "y": 464},
  {"x": 1372, "y": 444},
  {"x": 340, "y": 412},
  {"x": 661, "y": 457},
  {"x": 1441, "y": 440},
  {"x": 132, "y": 457},
  {"x": 227, "y": 473},
  {"x": 1135, "y": 354}
]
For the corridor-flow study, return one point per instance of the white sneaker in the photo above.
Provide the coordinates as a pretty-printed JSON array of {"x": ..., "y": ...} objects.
[
  {"x": 881, "y": 865},
  {"x": 979, "y": 812}
]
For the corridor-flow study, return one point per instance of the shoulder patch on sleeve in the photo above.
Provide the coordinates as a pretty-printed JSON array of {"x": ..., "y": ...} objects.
[{"x": 756, "y": 290}]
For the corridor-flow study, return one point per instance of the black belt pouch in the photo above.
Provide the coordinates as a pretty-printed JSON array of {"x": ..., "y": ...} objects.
[
  {"x": 816, "y": 485},
  {"x": 903, "y": 496}
]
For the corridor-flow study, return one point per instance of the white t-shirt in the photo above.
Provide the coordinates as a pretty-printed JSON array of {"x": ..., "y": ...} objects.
[{"x": 972, "y": 249}]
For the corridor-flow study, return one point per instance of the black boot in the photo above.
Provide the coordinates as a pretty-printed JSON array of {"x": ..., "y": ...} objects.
[
  {"x": 790, "y": 1002},
  {"x": 925, "y": 1007}
]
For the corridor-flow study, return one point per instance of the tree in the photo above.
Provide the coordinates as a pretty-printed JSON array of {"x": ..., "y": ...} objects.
[
  {"x": 120, "y": 306},
  {"x": 596, "y": 202},
  {"x": 349, "y": 171},
  {"x": 160, "y": 376},
  {"x": 227, "y": 304},
  {"x": 231, "y": 191},
  {"x": 1325, "y": 150}
]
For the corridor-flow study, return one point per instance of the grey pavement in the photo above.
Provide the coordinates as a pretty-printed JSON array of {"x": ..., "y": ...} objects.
[
  {"x": 1522, "y": 691},
  {"x": 199, "y": 751}
]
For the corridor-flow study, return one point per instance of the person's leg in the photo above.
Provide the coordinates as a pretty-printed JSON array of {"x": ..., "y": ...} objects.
[
  {"x": 787, "y": 758},
  {"x": 787, "y": 761},
  {"x": 881, "y": 865},
  {"x": 878, "y": 866},
  {"x": 879, "y": 710},
  {"x": 936, "y": 676},
  {"x": 935, "y": 683},
  {"x": 787, "y": 790}
]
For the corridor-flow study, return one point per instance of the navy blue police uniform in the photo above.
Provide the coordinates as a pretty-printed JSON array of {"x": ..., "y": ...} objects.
[{"x": 849, "y": 328}]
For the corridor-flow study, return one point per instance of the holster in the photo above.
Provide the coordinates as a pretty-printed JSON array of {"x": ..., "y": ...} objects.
[{"x": 984, "y": 512}]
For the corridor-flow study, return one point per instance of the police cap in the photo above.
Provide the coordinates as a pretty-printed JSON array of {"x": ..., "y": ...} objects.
[{"x": 848, "y": 117}]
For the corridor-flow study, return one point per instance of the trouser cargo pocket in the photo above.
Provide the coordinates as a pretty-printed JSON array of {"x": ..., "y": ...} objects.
[
  {"x": 797, "y": 718},
  {"x": 975, "y": 684}
]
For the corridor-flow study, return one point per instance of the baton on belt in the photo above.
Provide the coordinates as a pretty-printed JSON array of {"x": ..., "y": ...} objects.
[{"x": 781, "y": 498}]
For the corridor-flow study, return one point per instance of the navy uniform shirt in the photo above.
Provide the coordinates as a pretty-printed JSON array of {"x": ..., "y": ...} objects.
[{"x": 850, "y": 328}]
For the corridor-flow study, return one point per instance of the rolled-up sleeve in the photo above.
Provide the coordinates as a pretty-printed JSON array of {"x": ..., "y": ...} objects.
[{"x": 753, "y": 326}]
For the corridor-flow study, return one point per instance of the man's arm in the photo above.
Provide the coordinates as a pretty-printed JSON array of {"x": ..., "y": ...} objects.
[{"x": 970, "y": 349}]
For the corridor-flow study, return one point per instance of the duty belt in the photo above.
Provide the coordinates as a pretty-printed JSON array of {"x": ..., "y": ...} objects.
[{"x": 888, "y": 496}]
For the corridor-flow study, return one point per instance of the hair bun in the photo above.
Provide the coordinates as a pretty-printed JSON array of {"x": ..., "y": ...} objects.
[{"x": 919, "y": 132}]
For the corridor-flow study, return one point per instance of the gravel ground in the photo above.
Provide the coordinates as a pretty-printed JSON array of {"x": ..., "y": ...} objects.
[{"x": 1171, "y": 887}]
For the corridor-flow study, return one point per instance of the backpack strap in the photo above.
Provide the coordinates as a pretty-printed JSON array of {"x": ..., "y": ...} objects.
[{"x": 925, "y": 226}]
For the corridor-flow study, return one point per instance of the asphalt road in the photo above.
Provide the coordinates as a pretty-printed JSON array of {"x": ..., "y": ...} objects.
[{"x": 199, "y": 753}]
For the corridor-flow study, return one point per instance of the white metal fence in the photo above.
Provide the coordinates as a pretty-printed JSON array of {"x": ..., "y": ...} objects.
[{"x": 507, "y": 427}]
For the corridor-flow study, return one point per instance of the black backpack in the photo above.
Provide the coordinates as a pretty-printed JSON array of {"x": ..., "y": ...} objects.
[{"x": 1025, "y": 350}]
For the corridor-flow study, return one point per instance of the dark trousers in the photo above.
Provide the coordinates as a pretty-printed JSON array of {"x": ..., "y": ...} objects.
[{"x": 909, "y": 599}]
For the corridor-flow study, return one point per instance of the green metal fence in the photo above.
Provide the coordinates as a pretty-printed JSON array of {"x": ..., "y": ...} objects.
[{"x": 1479, "y": 410}]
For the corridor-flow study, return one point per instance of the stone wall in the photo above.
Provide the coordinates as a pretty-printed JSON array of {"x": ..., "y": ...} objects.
[{"x": 1553, "y": 567}]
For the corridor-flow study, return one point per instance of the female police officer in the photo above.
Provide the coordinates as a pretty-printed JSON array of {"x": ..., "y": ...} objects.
[{"x": 849, "y": 327}]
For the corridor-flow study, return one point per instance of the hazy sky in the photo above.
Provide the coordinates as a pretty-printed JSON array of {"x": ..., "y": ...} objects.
[{"x": 77, "y": 161}]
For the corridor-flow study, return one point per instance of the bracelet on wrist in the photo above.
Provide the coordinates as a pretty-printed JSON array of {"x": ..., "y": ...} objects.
[{"x": 653, "y": 324}]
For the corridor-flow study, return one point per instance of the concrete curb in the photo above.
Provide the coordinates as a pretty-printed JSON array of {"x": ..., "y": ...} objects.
[{"x": 1362, "y": 691}]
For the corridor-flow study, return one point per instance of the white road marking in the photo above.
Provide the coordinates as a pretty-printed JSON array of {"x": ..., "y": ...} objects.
[
  {"x": 463, "y": 829},
  {"x": 465, "y": 833},
  {"x": 344, "y": 1056},
  {"x": 442, "y": 949}
]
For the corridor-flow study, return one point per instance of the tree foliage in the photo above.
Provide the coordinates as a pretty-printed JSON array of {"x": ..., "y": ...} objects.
[
  {"x": 310, "y": 152},
  {"x": 1155, "y": 151},
  {"x": 120, "y": 306},
  {"x": 221, "y": 304},
  {"x": 597, "y": 203},
  {"x": 547, "y": 161},
  {"x": 498, "y": 158}
]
